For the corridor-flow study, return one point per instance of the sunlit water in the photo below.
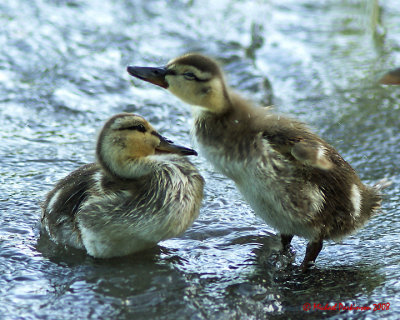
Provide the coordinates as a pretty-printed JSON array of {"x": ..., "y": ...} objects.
[{"x": 62, "y": 73}]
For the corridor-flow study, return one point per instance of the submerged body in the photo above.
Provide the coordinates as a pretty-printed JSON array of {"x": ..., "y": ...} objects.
[
  {"x": 137, "y": 194},
  {"x": 293, "y": 179},
  {"x": 391, "y": 77}
]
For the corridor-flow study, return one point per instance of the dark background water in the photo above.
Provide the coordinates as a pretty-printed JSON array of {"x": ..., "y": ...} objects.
[{"x": 62, "y": 74}]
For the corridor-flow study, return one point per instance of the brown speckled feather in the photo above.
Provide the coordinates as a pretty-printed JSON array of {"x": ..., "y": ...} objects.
[{"x": 293, "y": 179}]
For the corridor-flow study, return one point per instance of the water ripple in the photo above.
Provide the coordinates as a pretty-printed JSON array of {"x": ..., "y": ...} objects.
[{"x": 62, "y": 73}]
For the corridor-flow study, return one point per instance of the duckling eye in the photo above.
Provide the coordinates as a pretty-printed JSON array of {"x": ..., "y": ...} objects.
[
  {"x": 139, "y": 127},
  {"x": 190, "y": 76}
]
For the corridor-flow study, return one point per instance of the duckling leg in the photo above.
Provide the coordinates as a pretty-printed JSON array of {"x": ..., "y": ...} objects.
[
  {"x": 312, "y": 251},
  {"x": 285, "y": 240}
]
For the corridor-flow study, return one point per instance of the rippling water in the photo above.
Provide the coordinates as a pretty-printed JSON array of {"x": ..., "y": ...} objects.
[{"x": 62, "y": 73}]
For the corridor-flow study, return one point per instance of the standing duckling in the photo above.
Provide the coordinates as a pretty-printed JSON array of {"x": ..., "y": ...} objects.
[
  {"x": 139, "y": 192},
  {"x": 294, "y": 180}
]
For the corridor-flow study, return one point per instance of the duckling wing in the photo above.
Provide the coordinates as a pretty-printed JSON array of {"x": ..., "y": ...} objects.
[
  {"x": 311, "y": 153},
  {"x": 64, "y": 201},
  {"x": 294, "y": 140}
]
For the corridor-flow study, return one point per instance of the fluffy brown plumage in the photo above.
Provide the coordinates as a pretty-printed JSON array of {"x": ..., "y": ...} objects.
[
  {"x": 293, "y": 179},
  {"x": 139, "y": 192}
]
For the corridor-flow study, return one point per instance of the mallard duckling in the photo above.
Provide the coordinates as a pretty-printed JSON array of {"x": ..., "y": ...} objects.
[
  {"x": 139, "y": 192},
  {"x": 294, "y": 180},
  {"x": 391, "y": 77}
]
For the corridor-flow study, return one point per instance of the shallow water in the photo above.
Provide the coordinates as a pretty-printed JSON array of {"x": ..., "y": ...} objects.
[{"x": 62, "y": 73}]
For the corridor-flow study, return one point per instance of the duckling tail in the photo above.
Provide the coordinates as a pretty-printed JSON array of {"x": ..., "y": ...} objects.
[
  {"x": 373, "y": 197},
  {"x": 382, "y": 184}
]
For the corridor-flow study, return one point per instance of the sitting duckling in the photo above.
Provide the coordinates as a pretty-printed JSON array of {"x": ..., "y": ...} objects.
[
  {"x": 294, "y": 180},
  {"x": 139, "y": 192},
  {"x": 391, "y": 77}
]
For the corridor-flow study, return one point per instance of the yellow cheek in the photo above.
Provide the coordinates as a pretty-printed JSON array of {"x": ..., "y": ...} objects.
[
  {"x": 140, "y": 145},
  {"x": 141, "y": 151}
]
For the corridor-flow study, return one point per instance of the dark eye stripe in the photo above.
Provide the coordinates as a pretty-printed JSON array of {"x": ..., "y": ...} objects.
[
  {"x": 170, "y": 72},
  {"x": 138, "y": 127},
  {"x": 190, "y": 76}
]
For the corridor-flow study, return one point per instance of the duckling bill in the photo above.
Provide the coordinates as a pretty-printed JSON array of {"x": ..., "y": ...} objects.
[
  {"x": 141, "y": 190},
  {"x": 293, "y": 179}
]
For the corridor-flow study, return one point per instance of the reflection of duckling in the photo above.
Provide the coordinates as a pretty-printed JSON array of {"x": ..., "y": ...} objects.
[
  {"x": 391, "y": 77},
  {"x": 140, "y": 191},
  {"x": 293, "y": 179}
]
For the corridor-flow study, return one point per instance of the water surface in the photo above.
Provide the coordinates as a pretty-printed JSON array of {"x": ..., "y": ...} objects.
[{"x": 62, "y": 74}]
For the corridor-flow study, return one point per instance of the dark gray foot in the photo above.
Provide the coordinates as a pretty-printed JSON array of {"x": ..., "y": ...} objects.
[
  {"x": 286, "y": 239},
  {"x": 312, "y": 251}
]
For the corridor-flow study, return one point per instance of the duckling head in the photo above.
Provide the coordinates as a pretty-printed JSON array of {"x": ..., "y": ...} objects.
[
  {"x": 127, "y": 140},
  {"x": 196, "y": 79}
]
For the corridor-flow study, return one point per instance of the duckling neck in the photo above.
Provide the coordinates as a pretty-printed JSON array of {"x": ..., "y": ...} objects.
[
  {"x": 233, "y": 114},
  {"x": 227, "y": 133},
  {"x": 125, "y": 169},
  {"x": 217, "y": 102}
]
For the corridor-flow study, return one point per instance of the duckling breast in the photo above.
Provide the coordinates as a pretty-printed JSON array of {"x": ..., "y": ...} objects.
[
  {"x": 286, "y": 202},
  {"x": 159, "y": 206},
  {"x": 268, "y": 181}
]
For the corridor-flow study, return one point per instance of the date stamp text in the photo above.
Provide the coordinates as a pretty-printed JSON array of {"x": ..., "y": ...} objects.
[{"x": 346, "y": 307}]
